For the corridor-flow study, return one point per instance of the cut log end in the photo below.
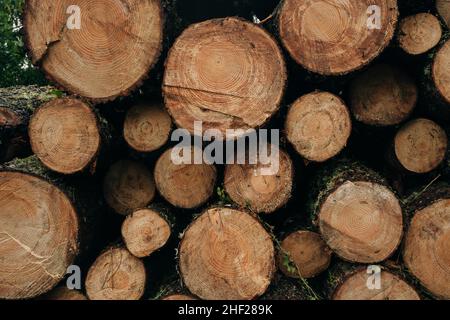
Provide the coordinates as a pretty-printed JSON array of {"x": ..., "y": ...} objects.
[
  {"x": 184, "y": 185},
  {"x": 144, "y": 232},
  {"x": 147, "y": 127},
  {"x": 107, "y": 55},
  {"x": 318, "y": 125},
  {"x": 441, "y": 76},
  {"x": 337, "y": 34},
  {"x": 356, "y": 287},
  {"x": 38, "y": 235},
  {"x": 64, "y": 135},
  {"x": 226, "y": 254},
  {"x": 427, "y": 248},
  {"x": 63, "y": 293},
  {"x": 128, "y": 186},
  {"x": 421, "y": 146},
  {"x": 419, "y": 33},
  {"x": 218, "y": 72},
  {"x": 263, "y": 192},
  {"x": 383, "y": 96},
  {"x": 307, "y": 251},
  {"x": 361, "y": 221},
  {"x": 116, "y": 275}
]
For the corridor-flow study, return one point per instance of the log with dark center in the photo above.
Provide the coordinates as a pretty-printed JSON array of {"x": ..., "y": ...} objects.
[
  {"x": 227, "y": 73},
  {"x": 108, "y": 55},
  {"x": 336, "y": 37}
]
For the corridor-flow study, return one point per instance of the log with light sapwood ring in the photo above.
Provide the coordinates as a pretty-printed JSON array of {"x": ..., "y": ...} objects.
[
  {"x": 420, "y": 146},
  {"x": 426, "y": 251},
  {"x": 127, "y": 186},
  {"x": 383, "y": 96},
  {"x": 145, "y": 231},
  {"x": 109, "y": 55},
  {"x": 354, "y": 286},
  {"x": 318, "y": 125},
  {"x": 38, "y": 235},
  {"x": 228, "y": 73},
  {"x": 262, "y": 192},
  {"x": 147, "y": 127},
  {"x": 443, "y": 8},
  {"x": 419, "y": 33},
  {"x": 308, "y": 253},
  {"x": 185, "y": 186},
  {"x": 226, "y": 254},
  {"x": 358, "y": 216},
  {"x": 335, "y": 37},
  {"x": 65, "y": 135},
  {"x": 116, "y": 275}
]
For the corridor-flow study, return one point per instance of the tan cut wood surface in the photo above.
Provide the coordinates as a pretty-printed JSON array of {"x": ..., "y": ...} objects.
[
  {"x": 116, "y": 275},
  {"x": 443, "y": 8},
  {"x": 118, "y": 42},
  {"x": 427, "y": 248},
  {"x": 419, "y": 33},
  {"x": 318, "y": 125},
  {"x": 226, "y": 254},
  {"x": 184, "y": 185},
  {"x": 355, "y": 287},
  {"x": 228, "y": 73},
  {"x": 440, "y": 69},
  {"x": 147, "y": 127},
  {"x": 421, "y": 145},
  {"x": 144, "y": 232},
  {"x": 307, "y": 251},
  {"x": 264, "y": 192},
  {"x": 64, "y": 135},
  {"x": 38, "y": 235},
  {"x": 64, "y": 293},
  {"x": 333, "y": 37},
  {"x": 361, "y": 222}
]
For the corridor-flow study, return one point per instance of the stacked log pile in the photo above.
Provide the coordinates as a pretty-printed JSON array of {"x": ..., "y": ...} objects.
[{"x": 357, "y": 208}]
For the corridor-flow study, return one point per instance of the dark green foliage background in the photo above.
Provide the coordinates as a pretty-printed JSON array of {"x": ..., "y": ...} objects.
[{"x": 15, "y": 68}]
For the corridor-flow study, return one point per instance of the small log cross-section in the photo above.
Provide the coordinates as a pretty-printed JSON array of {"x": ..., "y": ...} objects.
[
  {"x": 255, "y": 190},
  {"x": 420, "y": 146},
  {"x": 116, "y": 275},
  {"x": 440, "y": 74},
  {"x": 318, "y": 125},
  {"x": 383, "y": 96},
  {"x": 419, "y": 33},
  {"x": 307, "y": 251},
  {"x": 336, "y": 37},
  {"x": 356, "y": 286},
  {"x": 227, "y": 73},
  {"x": 184, "y": 185},
  {"x": 128, "y": 186},
  {"x": 427, "y": 245},
  {"x": 359, "y": 218},
  {"x": 443, "y": 8},
  {"x": 64, "y": 293},
  {"x": 145, "y": 231},
  {"x": 147, "y": 127},
  {"x": 107, "y": 55},
  {"x": 226, "y": 254},
  {"x": 38, "y": 235},
  {"x": 65, "y": 135}
]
